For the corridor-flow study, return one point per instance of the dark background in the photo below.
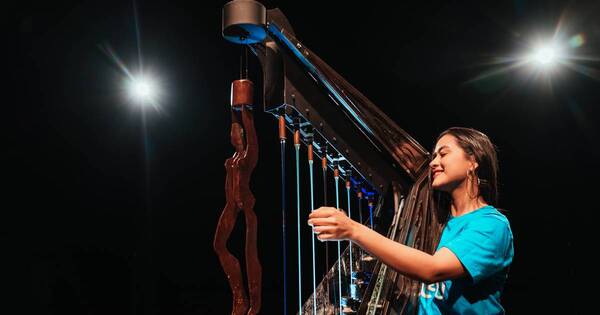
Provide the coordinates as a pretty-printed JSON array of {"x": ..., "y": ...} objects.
[{"x": 111, "y": 209}]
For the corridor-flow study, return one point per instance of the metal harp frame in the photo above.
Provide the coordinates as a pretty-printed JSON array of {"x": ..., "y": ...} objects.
[{"x": 359, "y": 138}]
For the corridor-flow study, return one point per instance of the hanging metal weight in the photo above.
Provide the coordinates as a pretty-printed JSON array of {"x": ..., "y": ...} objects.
[{"x": 244, "y": 21}]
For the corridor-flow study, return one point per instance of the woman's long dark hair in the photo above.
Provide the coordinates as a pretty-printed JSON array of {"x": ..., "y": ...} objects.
[{"x": 476, "y": 144}]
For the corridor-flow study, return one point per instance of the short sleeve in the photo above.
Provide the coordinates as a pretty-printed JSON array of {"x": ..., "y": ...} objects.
[{"x": 484, "y": 247}]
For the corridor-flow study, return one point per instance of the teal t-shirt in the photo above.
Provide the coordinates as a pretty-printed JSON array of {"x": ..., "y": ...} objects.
[{"x": 482, "y": 240}]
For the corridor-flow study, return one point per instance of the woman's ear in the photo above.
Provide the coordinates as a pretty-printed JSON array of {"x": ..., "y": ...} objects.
[{"x": 474, "y": 164}]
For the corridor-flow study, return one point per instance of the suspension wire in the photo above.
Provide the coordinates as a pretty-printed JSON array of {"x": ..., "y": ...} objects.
[
  {"x": 339, "y": 247},
  {"x": 246, "y": 63},
  {"x": 297, "y": 146},
  {"x": 312, "y": 208},
  {"x": 282, "y": 142}
]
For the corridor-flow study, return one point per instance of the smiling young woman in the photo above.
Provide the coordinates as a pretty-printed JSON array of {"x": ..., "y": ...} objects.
[{"x": 467, "y": 272}]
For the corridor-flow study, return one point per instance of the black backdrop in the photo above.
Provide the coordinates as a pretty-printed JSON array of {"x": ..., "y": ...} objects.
[{"x": 111, "y": 209}]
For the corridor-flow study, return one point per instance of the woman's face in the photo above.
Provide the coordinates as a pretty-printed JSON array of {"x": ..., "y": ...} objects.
[{"x": 450, "y": 164}]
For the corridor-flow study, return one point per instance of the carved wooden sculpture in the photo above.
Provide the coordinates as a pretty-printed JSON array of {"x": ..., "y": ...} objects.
[{"x": 239, "y": 197}]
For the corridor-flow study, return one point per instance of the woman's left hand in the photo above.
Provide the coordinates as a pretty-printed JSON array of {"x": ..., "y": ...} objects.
[{"x": 331, "y": 224}]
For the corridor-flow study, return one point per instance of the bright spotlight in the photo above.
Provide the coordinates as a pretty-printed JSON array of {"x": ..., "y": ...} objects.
[
  {"x": 143, "y": 90},
  {"x": 545, "y": 55},
  {"x": 544, "y": 58}
]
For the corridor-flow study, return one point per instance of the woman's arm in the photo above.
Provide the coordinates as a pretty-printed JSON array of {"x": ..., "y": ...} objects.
[{"x": 332, "y": 224}]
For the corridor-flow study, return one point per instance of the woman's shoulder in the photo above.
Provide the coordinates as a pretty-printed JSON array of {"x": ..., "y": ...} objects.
[
  {"x": 492, "y": 217},
  {"x": 491, "y": 228},
  {"x": 497, "y": 213}
]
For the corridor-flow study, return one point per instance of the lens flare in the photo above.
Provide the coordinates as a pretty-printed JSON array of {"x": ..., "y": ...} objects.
[{"x": 577, "y": 41}]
